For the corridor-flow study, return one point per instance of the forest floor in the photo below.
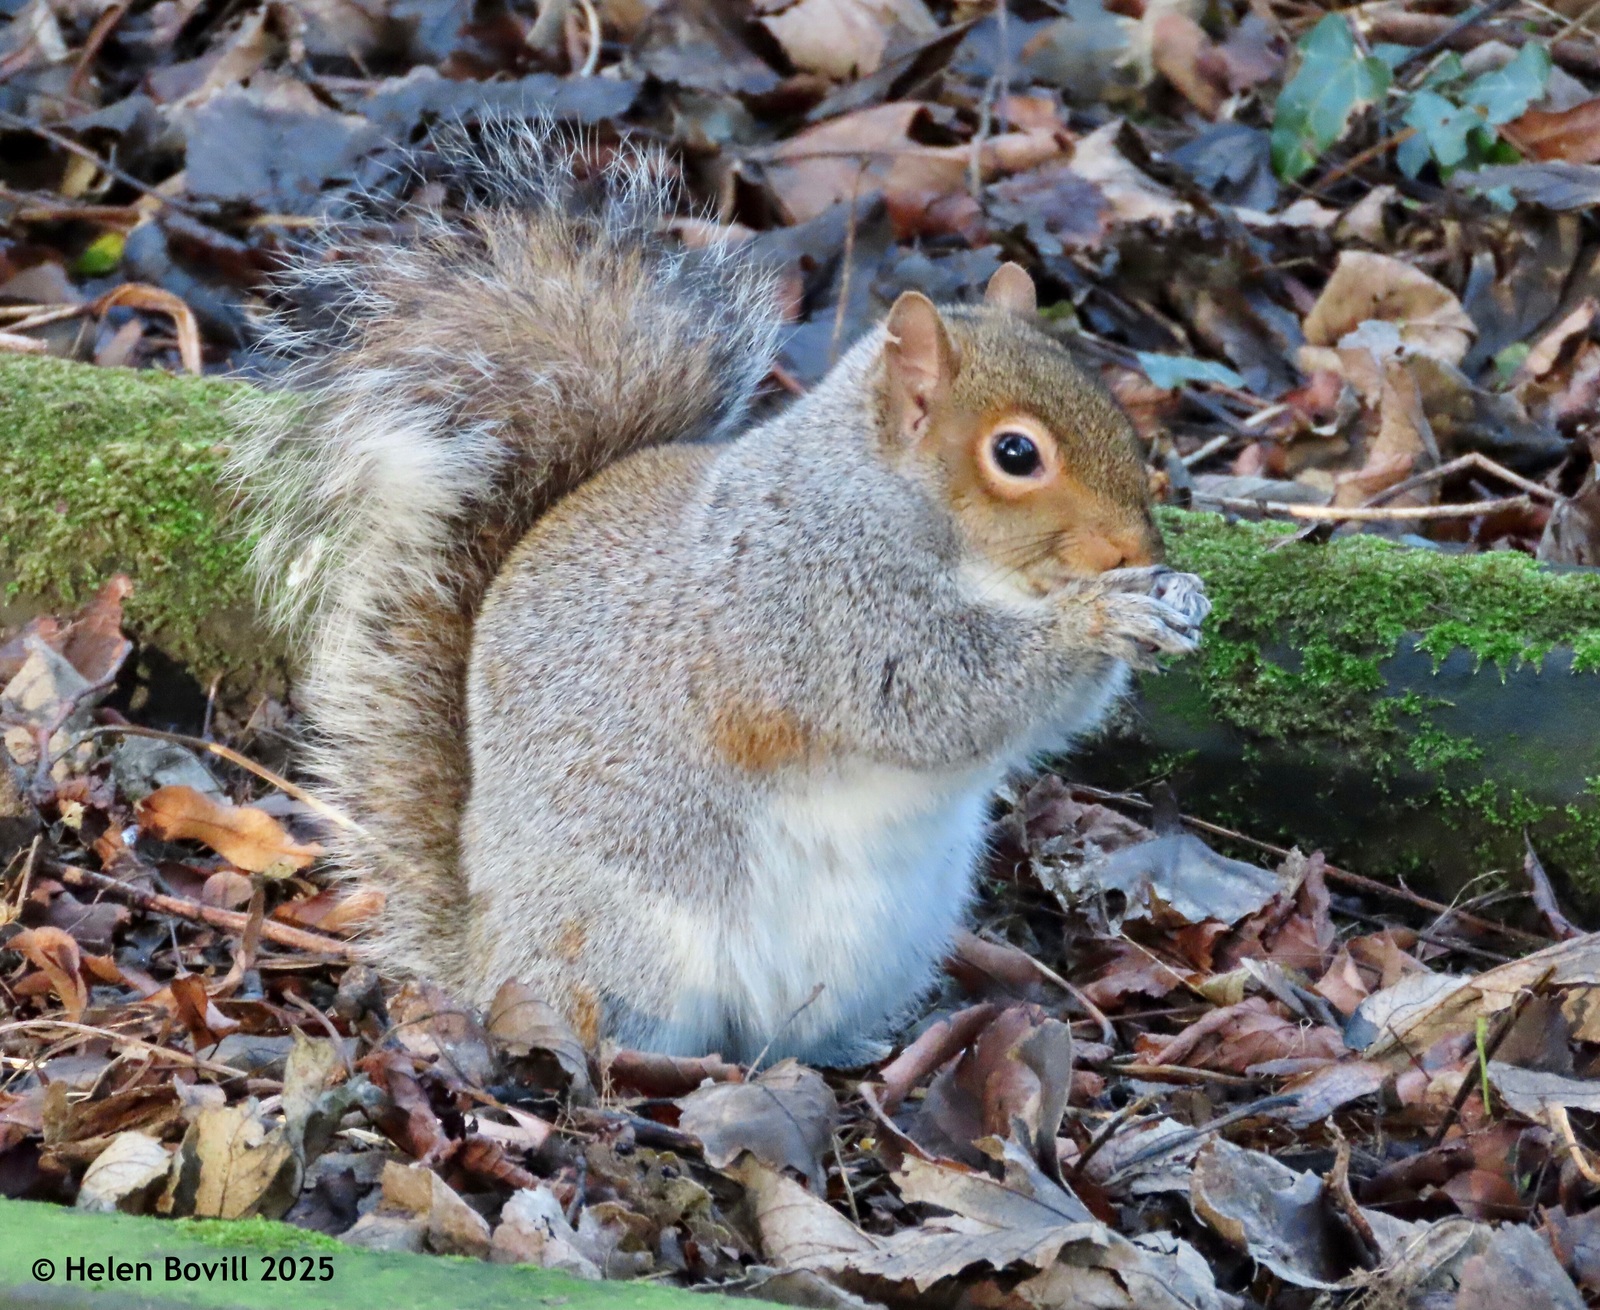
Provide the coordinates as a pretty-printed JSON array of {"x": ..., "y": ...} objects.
[{"x": 1341, "y": 266}]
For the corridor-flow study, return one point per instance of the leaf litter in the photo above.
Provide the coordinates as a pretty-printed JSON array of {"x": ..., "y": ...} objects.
[
  {"x": 1329, "y": 261},
  {"x": 1155, "y": 1075}
]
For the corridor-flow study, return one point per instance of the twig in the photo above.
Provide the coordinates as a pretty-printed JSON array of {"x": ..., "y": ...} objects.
[
  {"x": 1331, "y": 870},
  {"x": 328, "y": 812},
  {"x": 1183, "y": 1073},
  {"x": 66, "y": 143},
  {"x": 849, "y": 258},
  {"x": 1364, "y": 157},
  {"x": 1544, "y": 895},
  {"x": 1469, "y": 19},
  {"x": 1569, "y": 1139},
  {"x": 121, "y": 1039},
  {"x": 227, "y": 920},
  {"x": 1370, "y": 513},
  {"x": 1471, "y": 460},
  {"x": 1178, "y": 1141},
  {"x": 91, "y": 47},
  {"x": 1337, "y": 1181},
  {"x": 1098, "y": 1142},
  {"x": 1206, "y": 451},
  {"x": 22, "y": 345}
]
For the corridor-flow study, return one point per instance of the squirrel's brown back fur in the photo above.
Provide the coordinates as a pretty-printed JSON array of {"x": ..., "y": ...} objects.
[{"x": 468, "y": 378}]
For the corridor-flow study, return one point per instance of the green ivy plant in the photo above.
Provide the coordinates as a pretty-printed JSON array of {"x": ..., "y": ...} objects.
[{"x": 1454, "y": 119}]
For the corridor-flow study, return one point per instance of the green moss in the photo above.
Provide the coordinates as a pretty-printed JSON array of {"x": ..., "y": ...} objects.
[
  {"x": 265, "y": 1235},
  {"x": 112, "y": 470},
  {"x": 1299, "y": 630},
  {"x": 1316, "y": 667}
]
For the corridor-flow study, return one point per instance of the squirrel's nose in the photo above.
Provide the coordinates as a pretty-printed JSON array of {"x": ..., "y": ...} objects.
[{"x": 1099, "y": 552}]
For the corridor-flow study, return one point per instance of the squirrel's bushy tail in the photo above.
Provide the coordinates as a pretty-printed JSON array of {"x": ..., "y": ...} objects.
[{"x": 462, "y": 380}]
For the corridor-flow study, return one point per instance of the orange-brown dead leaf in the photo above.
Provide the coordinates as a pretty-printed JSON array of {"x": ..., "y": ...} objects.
[
  {"x": 1572, "y": 135},
  {"x": 55, "y": 953},
  {"x": 247, "y": 837}
]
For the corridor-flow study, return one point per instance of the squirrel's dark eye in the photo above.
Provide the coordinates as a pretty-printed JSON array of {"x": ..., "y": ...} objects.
[{"x": 1017, "y": 455}]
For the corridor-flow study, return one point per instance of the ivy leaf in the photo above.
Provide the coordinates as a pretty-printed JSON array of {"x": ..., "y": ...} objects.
[
  {"x": 1334, "y": 80},
  {"x": 1447, "y": 70},
  {"x": 1442, "y": 130},
  {"x": 1505, "y": 93},
  {"x": 1168, "y": 371}
]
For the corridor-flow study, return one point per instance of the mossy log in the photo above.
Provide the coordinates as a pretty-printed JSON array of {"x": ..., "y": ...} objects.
[{"x": 1410, "y": 711}]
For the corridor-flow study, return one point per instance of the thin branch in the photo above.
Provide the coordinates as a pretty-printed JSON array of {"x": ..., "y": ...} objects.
[
  {"x": 316, "y": 803},
  {"x": 1369, "y": 513},
  {"x": 230, "y": 921}
]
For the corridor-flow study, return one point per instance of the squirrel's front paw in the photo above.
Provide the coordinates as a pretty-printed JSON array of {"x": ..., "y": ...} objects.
[{"x": 1152, "y": 611}]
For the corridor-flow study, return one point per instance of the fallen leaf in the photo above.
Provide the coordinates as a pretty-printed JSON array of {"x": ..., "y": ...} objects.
[
  {"x": 1366, "y": 286},
  {"x": 241, "y": 834},
  {"x": 1013, "y": 1080},
  {"x": 1238, "y": 1037},
  {"x": 536, "y": 1034},
  {"x": 125, "y": 1176},
  {"x": 1572, "y": 134},
  {"x": 1429, "y": 1007},
  {"x": 649, "y": 1073},
  {"x": 784, "y": 1117},
  {"x": 845, "y": 38},
  {"x": 798, "y": 1229},
  {"x": 56, "y": 954},
  {"x": 230, "y": 1165},
  {"x": 533, "y": 1230},
  {"x": 1133, "y": 195},
  {"x": 1183, "y": 54},
  {"x": 1269, "y": 1211},
  {"x": 1172, "y": 878},
  {"x": 453, "y": 1226},
  {"x": 1027, "y": 1221},
  {"x": 1518, "y": 1269}
]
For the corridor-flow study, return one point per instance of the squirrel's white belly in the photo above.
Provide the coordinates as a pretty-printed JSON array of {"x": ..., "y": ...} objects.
[{"x": 856, "y": 881}]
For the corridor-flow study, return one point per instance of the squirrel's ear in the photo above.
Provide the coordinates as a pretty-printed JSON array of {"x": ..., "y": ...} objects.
[
  {"x": 920, "y": 361},
  {"x": 1012, "y": 289}
]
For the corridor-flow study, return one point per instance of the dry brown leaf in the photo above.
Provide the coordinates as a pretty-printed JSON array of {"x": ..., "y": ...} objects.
[
  {"x": 333, "y": 909},
  {"x": 1013, "y": 1081},
  {"x": 648, "y": 1073},
  {"x": 530, "y": 1030},
  {"x": 232, "y": 1166},
  {"x": 1025, "y": 1220},
  {"x": 56, "y": 955},
  {"x": 1268, "y": 1210},
  {"x": 454, "y": 1227},
  {"x": 1367, "y": 286},
  {"x": 1572, "y": 135},
  {"x": 125, "y": 1176},
  {"x": 784, "y": 1117},
  {"x": 874, "y": 150},
  {"x": 1518, "y": 1269},
  {"x": 1456, "y": 1003},
  {"x": 1183, "y": 54},
  {"x": 845, "y": 38},
  {"x": 1134, "y": 197},
  {"x": 797, "y": 1229},
  {"x": 1404, "y": 444},
  {"x": 241, "y": 834},
  {"x": 1239, "y": 1036}
]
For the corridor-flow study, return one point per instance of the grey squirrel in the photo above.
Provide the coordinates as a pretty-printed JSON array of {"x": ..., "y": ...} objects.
[{"x": 674, "y": 715}]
